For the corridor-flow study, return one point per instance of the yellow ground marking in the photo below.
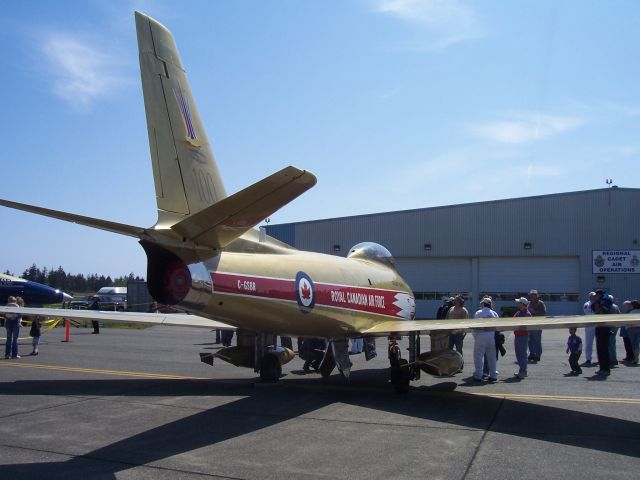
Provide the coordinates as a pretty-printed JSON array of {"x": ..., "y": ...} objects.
[
  {"x": 100, "y": 372},
  {"x": 48, "y": 325},
  {"x": 508, "y": 396},
  {"x": 557, "y": 398}
]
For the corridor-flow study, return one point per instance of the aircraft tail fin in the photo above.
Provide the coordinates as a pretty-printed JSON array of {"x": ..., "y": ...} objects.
[
  {"x": 186, "y": 175},
  {"x": 218, "y": 225},
  {"x": 192, "y": 203}
]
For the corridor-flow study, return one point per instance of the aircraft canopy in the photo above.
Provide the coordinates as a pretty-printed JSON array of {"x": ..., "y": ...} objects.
[{"x": 371, "y": 251}]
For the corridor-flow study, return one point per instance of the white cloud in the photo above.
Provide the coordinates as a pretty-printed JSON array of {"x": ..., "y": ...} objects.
[
  {"x": 386, "y": 95},
  {"x": 627, "y": 151},
  {"x": 471, "y": 174},
  {"x": 617, "y": 153},
  {"x": 525, "y": 128},
  {"x": 448, "y": 21},
  {"x": 453, "y": 167},
  {"x": 544, "y": 171},
  {"x": 623, "y": 110},
  {"x": 81, "y": 73}
]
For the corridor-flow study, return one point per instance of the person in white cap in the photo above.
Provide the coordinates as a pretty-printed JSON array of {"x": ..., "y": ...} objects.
[
  {"x": 484, "y": 343},
  {"x": 537, "y": 309},
  {"x": 521, "y": 338},
  {"x": 589, "y": 332}
]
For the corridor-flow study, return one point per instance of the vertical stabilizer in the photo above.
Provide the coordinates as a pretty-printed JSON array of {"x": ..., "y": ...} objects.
[{"x": 186, "y": 176}]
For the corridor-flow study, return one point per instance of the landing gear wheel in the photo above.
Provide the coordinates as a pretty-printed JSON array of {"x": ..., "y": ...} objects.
[
  {"x": 327, "y": 366},
  {"x": 400, "y": 376},
  {"x": 270, "y": 369}
]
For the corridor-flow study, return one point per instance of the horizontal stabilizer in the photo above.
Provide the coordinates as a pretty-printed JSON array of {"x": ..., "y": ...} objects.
[
  {"x": 172, "y": 319},
  {"x": 507, "y": 324},
  {"x": 114, "y": 227},
  {"x": 224, "y": 221}
]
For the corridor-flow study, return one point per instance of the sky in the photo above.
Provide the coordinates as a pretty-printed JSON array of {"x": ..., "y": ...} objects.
[{"x": 392, "y": 104}]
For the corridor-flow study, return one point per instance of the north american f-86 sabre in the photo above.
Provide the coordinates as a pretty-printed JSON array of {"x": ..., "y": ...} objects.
[{"x": 206, "y": 259}]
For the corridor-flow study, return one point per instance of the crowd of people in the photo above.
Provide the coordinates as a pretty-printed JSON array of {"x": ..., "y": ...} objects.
[
  {"x": 487, "y": 345},
  {"x": 528, "y": 343}
]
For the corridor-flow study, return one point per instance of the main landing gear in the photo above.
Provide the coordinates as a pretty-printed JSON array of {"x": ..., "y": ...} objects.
[
  {"x": 270, "y": 368},
  {"x": 402, "y": 371},
  {"x": 270, "y": 357},
  {"x": 254, "y": 350}
]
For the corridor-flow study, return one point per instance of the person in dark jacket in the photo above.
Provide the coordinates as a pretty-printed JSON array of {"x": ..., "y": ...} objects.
[
  {"x": 35, "y": 334},
  {"x": 574, "y": 349},
  {"x": 95, "y": 305},
  {"x": 601, "y": 306}
]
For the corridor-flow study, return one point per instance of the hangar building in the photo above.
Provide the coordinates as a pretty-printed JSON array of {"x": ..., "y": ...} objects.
[{"x": 563, "y": 245}]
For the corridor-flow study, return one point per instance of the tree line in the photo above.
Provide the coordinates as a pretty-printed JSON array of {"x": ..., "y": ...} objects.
[{"x": 74, "y": 283}]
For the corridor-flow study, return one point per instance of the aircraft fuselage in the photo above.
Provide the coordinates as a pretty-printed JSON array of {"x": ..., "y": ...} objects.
[
  {"x": 298, "y": 293},
  {"x": 33, "y": 293}
]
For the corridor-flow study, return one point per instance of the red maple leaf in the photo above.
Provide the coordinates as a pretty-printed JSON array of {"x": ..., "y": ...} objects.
[{"x": 305, "y": 292}]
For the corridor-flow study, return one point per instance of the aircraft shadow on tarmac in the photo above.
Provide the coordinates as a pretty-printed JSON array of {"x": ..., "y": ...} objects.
[{"x": 262, "y": 408}]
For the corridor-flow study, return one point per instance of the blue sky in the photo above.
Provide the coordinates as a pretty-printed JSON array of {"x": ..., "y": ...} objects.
[{"x": 393, "y": 104}]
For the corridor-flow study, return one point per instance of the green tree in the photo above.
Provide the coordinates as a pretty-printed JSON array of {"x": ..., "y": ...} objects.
[
  {"x": 31, "y": 273},
  {"x": 70, "y": 283}
]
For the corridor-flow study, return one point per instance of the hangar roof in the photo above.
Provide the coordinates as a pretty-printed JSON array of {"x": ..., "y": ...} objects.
[{"x": 562, "y": 195}]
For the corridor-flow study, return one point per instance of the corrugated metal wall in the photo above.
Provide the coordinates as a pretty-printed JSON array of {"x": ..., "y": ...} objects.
[
  {"x": 447, "y": 274},
  {"x": 285, "y": 233},
  {"x": 547, "y": 274}
]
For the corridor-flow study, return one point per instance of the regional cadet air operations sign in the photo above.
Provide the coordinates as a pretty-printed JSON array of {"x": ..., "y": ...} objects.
[{"x": 616, "y": 261}]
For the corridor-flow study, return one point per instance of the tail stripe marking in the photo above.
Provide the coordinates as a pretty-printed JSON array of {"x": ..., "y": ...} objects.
[{"x": 185, "y": 112}]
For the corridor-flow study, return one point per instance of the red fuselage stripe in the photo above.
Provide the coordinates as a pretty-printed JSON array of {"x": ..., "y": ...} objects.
[
  {"x": 371, "y": 300},
  {"x": 275, "y": 288}
]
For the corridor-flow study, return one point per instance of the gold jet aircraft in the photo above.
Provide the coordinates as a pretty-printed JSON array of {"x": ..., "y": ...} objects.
[{"x": 206, "y": 259}]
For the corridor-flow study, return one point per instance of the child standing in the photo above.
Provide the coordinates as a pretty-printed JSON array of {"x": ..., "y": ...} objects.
[
  {"x": 35, "y": 333},
  {"x": 574, "y": 349}
]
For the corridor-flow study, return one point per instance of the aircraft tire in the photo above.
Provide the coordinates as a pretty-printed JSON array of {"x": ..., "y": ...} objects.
[
  {"x": 270, "y": 368},
  {"x": 400, "y": 377}
]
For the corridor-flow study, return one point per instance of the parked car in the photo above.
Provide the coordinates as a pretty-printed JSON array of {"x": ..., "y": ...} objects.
[
  {"x": 113, "y": 298},
  {"x": 105, "y": 302},
  {"x": 81, "y": 304},
  {"x": 113, "y": 302}
]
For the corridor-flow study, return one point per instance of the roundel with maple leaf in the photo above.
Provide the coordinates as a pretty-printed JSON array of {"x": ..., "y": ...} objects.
[{"x": 305, "y": 292}]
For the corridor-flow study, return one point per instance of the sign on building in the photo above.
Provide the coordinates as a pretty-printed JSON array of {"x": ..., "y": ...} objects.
[{"x": 616, "y": 261}]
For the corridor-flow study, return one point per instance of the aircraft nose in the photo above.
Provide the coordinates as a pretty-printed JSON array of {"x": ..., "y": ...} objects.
[{"x": 66, "y": 297}]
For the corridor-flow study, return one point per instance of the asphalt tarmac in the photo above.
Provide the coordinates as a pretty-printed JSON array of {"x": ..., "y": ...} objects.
[{"x": 136, "y": 404}]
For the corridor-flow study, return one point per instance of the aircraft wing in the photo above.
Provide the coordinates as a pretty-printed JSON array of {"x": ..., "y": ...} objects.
[
  {"x": 114, "y": 227},
  {"x": 173, "y": 319},
  {"x": 509, "y": 323},
  {"x": 227, "y": 219}
]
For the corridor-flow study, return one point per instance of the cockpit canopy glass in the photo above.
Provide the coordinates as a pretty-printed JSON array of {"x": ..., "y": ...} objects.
[{"x": 371, "y": 251}]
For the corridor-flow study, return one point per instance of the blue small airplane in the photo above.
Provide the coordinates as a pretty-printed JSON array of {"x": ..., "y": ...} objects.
[{"x": 34, "y": 294}]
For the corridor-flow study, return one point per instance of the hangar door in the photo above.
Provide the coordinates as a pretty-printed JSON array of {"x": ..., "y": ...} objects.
[
  {"x": 433, "y": 278},
  {"x": 557, "y": 280}
]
